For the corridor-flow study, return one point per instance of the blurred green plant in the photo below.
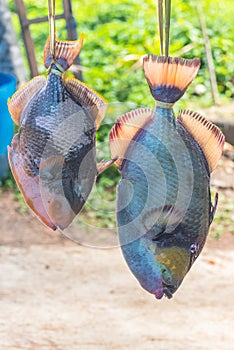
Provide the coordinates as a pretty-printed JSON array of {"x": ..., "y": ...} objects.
[
  {"x": 8, "y": 184},
  {"x": 224, "y": 218},
  {"x": 118, "y": 34}
]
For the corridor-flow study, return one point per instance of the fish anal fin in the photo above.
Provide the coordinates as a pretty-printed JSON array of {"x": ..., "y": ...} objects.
[
  {"x": 167, "y": 77},
  {"x": 88, "y": 98},
  {"x": 208, "y": 136},
  {"x": 125, "y": 129},
  {"x": 65, "y": 52},
  {"x": 21, "y": 98},
  {"x": 214, "y": 207}
]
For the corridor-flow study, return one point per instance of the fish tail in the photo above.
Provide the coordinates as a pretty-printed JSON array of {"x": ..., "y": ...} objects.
[
  {"x": 65, "y": 53},
  {"x": 167, "y": 77}
]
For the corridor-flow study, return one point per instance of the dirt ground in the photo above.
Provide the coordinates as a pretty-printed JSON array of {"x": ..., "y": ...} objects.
[{"x": 58, "y": 295}]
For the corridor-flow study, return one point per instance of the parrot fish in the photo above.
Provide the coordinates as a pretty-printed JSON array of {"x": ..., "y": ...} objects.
[
  {"x": 164, "y": 206},
  {"x": 53, "y": 156}
]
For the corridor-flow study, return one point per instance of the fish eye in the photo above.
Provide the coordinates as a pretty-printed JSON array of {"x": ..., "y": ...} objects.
[{"x": 193, "y": 248}]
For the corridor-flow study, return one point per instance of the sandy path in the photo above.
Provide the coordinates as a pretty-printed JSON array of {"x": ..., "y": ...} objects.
[{"x": 68, "y": 297}]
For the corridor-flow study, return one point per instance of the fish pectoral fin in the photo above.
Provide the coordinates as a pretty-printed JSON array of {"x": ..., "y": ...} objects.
[
  {"x": 162, "y": 221},
  {"x": 158, "y": 232},
  {"x": 84, "y": 95},
  {"x": 103, "y": 165},
  {"x": 65, "y": 52},
  {"x": 125, "y": 129},
  {"x": 214, "y": 207},
  {"x": 21, "y": 98},
  {"x": 51, "y": 168},
  {"x": 208, "y": 136}
]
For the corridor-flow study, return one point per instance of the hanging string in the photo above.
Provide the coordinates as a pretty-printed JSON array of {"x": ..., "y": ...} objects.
[
  {"x": 167, "y": 25},
  {"x": 160, "y": 24},
  {"x": 51, "y": 17}
]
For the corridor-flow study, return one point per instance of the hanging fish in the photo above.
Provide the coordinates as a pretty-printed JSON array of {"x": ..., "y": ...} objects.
[
  {"x": 164, "y": 207},
  {"x": 53, "y": 157}
]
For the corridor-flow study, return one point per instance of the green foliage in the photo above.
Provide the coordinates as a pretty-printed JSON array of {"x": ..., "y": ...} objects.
[
  {"x": 8, "y": 184},
  {"x": 119, "y": 33}
]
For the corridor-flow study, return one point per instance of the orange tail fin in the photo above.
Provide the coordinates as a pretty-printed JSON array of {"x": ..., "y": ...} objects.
[
  {"x": 65, "y": 52},
  {"x": 167, "y": 77}
]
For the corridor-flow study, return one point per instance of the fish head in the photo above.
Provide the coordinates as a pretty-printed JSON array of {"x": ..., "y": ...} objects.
[
  {"x": 173, "y": 244},
  {"x": 174, "y": 264},
  {"x": 165, "y": 271},
  {"x": 174, "y": 257}
]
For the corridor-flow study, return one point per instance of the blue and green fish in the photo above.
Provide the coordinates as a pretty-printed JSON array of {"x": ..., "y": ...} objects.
[{"x": 164, "y": 206}]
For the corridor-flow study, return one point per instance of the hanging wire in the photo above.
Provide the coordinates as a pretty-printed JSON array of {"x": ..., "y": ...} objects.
[
  {"x": 167, "y": 25},
  {"x": 51, "y": 17},
  {"x": 160, "y": 24}
]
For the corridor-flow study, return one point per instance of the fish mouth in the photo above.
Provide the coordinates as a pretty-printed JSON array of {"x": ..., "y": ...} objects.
[
  {"x": 168, "y": 289},
  {"x": 159, "y": 293}
]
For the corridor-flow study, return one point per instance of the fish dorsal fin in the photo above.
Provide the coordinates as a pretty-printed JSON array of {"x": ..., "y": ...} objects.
[
  {"x": 167, "y": 77},
  {"x": 65, "y": 52},
  {"x": 125, "y": 129},
  {"x": 87, "y": 98},
  {"x": 208, "y": 136},
  {"x": 20, "y": 99}
]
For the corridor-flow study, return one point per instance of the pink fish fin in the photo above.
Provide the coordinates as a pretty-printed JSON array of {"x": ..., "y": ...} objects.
[
  {"x": 88, "y": 98},
  {"x": 28, "y": 185},
  {"x": 65, "y": 52},
  {"x": 125, "y": 129},
  {"x": 214, "y": 207},
  {"x": 21, "y": 98},
  {"x": 103, "y": 165},
  {"x": 167, "y": 77},
  {"x": 208, "y": 136}
]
